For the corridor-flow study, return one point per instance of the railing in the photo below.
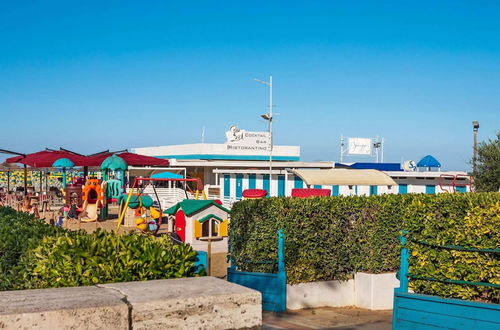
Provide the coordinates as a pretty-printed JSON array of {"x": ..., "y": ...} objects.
[
  {"x": 418, "y": 311},
  {"x": 404, "y": 263},
  {"x": 271, "y": 285},
  {"x": 171, "y": 196}
]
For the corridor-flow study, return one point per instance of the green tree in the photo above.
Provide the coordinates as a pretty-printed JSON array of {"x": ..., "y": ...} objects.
[{"x": 487, "y": 175}]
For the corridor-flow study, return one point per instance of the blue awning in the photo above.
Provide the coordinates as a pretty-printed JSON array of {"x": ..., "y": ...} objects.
[{"x": 372, "y": 166}]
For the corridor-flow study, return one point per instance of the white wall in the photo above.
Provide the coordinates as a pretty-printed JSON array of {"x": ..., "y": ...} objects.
[{"x": 214, "y": 149}]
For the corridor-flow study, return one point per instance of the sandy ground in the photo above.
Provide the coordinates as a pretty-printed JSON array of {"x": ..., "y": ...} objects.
[{"x": 109, "y": 225}]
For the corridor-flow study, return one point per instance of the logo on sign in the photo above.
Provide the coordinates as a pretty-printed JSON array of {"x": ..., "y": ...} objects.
[
  {"x": 359, "y": 146},
  {"x": 238, "y": 139}
]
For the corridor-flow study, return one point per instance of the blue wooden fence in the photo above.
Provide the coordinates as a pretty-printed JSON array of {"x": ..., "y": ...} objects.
[
  {"x": 418, "y": 311},
  {"x": 271, "y": 285},
  {"x": 201, "y": 261}
]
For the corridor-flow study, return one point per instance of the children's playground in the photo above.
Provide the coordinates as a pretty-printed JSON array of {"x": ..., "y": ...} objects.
[{"x": 116, "y": 191}]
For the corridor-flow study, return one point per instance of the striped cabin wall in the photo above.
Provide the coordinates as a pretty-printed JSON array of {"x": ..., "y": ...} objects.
[{"x": 291, "y": 182}]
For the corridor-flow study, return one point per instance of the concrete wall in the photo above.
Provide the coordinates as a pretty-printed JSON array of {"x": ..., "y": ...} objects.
[
  {"x": 320, "y": 294},
  {"x": 370, "y": 291},
  {"x": 187, "y": 303},
  {"x": 375, "y": 291}
]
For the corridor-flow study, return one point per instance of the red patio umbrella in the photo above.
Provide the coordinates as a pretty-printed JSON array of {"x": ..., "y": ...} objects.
[
  {"x": 46, "y": 158},
  {"x": 130, "y": 158}
]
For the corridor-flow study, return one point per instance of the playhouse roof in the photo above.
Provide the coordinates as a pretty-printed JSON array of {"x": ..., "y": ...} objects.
[
  {"x": 209, "y": 216},
  {"x": 190, "y": 206}
]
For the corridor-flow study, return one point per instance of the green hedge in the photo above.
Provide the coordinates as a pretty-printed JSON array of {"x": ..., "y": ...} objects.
[
  {"x": 34, "y": 254},
  {"x": 333, "y": 237}
]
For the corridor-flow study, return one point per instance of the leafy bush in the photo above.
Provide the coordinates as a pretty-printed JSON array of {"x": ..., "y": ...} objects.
[
  {"x": 19, "y": 233},
  {"x": 34, "y": 254},
  {"x": 475, "y": 223},
  {"x": 330, "y": 238}
]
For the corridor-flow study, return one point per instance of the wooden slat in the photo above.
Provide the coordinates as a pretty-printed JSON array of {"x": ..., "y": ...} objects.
[
  {"x": 416, "y": 311},
  {"x": 452, "y": 307}
]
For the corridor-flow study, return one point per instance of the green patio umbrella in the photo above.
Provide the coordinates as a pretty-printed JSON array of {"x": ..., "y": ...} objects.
[
  {"x": 63, "y": 163},
  {"x": 114, "y": 163}
]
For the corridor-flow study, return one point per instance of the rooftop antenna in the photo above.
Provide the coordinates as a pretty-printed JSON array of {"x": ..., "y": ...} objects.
[{"x": 203, "y": 135}]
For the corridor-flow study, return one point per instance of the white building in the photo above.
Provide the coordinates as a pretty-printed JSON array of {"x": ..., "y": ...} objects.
[{"x": 242, "y": 162}]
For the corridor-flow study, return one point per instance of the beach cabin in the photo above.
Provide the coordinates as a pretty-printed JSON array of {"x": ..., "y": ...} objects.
[{"x": 201, "y": 223}]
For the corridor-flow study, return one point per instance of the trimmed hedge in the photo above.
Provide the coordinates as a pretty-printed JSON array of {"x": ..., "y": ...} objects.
[
  {"x": 35, "y": 255},
  {"x": 333, "y": 237}
]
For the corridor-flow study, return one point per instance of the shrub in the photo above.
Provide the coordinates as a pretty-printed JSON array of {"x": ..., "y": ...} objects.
[
  {"x": 472, "y": 221},
  {"x": 77, "y": 259},
  {"x": 19, "y": 233},
  {"x": 34, "y": 254},
  {"x": 330, "y": 238}
]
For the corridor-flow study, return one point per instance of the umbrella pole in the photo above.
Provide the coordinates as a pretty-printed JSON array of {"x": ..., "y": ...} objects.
[
  {"x": 104, "y": 211},
  {"x": 64, "y": 178},
  {"x": 8, "y": 181},
  {"x": 25, "y": 180}
]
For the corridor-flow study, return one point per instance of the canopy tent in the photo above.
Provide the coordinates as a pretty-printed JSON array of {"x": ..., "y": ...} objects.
[
  {"x": 429, "y": 161},
  {"x": 344, "y": 177}
]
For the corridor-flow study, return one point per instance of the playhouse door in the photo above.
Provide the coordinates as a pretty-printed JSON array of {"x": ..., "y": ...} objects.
[{"x": 180, "y": 225}]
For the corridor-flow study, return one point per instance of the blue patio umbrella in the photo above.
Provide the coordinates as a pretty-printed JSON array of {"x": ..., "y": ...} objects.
[
  {"x": 429, "y": 161},
  {"x": 167, "y": 175},
  {"x": 63, "y": 163}
]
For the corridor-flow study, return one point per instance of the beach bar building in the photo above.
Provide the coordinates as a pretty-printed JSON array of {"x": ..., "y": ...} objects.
[{"x": 229, "y": 168}]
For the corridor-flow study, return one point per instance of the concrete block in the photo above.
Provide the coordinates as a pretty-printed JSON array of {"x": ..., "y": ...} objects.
[
  {"x": 320, "y": 294},
  {"x": 63, "y": 308},
  {"x": 191, "y": 303},
  {"x": 375, "y": 291}
]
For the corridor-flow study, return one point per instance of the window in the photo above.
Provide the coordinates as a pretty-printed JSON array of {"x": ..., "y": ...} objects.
[{"x": 210, "y": 228}]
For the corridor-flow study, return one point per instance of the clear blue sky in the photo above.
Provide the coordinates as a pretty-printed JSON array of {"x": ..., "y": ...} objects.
[{"x": 93, "y": 75}]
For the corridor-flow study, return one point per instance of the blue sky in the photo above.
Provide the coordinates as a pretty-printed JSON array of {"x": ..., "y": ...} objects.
[{"x": 93, "y": 75}]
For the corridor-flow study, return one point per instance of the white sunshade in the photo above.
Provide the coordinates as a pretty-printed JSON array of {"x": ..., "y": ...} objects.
[{"x": 345, "y": 177}]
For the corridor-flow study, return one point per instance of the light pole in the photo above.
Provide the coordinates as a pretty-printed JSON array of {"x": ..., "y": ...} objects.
[
  {"x": 269, "y": 117},
  {"x": 475, "y": 127}
]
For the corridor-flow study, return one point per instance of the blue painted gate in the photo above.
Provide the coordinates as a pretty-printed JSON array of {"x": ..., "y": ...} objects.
[
  {"x": 419, "y": 311},
  {"x": 271, "y": 285}
]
